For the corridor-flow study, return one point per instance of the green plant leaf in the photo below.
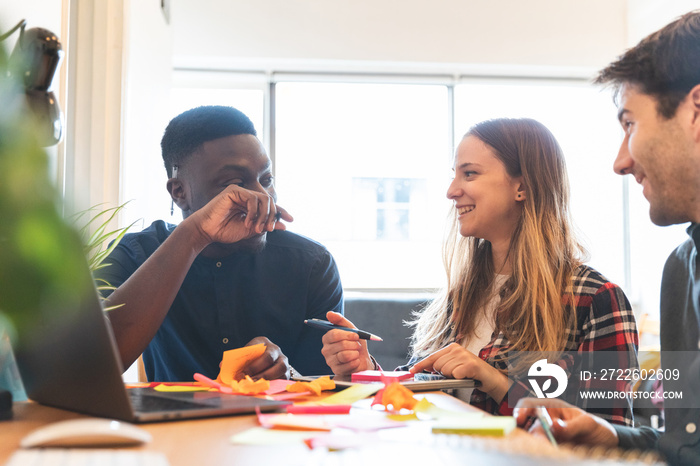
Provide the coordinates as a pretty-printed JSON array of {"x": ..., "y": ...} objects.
[{"x": 100, "y": 244}]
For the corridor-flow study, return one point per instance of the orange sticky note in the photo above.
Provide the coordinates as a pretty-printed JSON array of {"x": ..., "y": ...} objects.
[
  {"x": 315, "y": 386},
  {"x": 300, "y": 387},
  {"x": 235, "y": 360},
  {"x": 294, "y": 422},
  {"x": 248, "y": 386},
  {"x": 398, "y": 397}
]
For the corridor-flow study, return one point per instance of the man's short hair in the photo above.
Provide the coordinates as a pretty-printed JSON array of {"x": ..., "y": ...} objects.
[
  {"x": 189, "y": 130},
  {"x": 664, "y": 65}
]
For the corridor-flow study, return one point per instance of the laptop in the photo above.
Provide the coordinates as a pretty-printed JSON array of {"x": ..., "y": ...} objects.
[{"x": 67, "y": 358}]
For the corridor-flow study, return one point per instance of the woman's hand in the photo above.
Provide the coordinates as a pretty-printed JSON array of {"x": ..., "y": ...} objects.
[
  {"x": 456, "y": 362},
  {"x": 345, "y": 352}
]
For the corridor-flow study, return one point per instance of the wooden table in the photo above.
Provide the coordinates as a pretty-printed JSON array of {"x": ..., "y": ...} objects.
[
  {"x": 187, "y": 442},
  {"x": 202, "y": 441}
]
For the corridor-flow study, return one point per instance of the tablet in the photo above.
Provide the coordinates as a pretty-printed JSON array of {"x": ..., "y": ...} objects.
[{"x": 418, "y": 383}]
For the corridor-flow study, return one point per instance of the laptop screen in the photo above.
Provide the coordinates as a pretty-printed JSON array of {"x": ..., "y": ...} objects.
[{"x": 67, "y": 357}]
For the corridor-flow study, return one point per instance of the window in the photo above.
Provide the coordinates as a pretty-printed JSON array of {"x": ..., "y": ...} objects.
[
  {"x": 363, "y": 170},
  {"x": 582, "y": 118},
  {"x": 389, "y": 209}
]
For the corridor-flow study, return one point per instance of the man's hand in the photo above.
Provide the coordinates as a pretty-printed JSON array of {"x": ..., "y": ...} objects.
[
  {"x": 456, "y": 362},
  {"x": 345, "y": 352},
  {"x": 237, "y": 214},
  {"x": 273, "y": 364},
  {"x": 570, "y": 424}
]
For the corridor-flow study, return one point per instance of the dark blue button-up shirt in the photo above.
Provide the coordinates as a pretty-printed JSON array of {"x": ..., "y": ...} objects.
[{"x": 224, "y": 303}]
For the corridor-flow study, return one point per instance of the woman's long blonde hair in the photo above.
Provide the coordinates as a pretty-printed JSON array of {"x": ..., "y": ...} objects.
[{"x": 543, "y": 253}]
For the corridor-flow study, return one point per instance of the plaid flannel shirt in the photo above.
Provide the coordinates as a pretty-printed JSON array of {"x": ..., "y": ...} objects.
[{"x": 605, "y": 322}]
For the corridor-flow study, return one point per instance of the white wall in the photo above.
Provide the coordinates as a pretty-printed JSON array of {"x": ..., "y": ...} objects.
[
  {"x": 513, "y": 32},
  {"x": 647, "y": 16},
  {"x": 38, "y": 13}
]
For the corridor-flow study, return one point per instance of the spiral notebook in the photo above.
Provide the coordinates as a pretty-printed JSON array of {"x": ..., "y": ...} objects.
[{"x": 514, "y": 450}]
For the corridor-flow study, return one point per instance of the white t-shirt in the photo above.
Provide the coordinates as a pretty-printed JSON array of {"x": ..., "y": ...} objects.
[
  {"x": 485, "y": 320},
  {"x": 483, "y": 330}
]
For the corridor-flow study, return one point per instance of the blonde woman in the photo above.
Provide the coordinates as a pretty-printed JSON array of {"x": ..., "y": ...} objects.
[{"x": 517, "y": 285}]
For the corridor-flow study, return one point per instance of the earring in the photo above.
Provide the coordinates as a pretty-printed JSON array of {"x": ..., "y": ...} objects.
[{"x": 172, "y": 201}]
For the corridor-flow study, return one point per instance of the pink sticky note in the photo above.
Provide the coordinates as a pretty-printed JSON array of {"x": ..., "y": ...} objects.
[
  {"x": 338, "y": 442},
  {"x": 289, "y": 396},
  {"x": 277, "y": 386},
  {"x": 318, "y": 409},
  {"x": 212, "y": 383},
  {"x": 380, "y": 376}
]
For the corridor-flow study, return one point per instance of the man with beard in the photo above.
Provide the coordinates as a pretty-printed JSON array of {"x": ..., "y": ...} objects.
[
  {"x": 228, "y": 275},
  {"x": 657, "y": 86}
]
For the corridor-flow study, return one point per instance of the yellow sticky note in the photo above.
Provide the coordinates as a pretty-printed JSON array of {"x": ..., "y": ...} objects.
[
  {"x": 179, "y": 388},
  {"x": 352, "y": 394},
  {"x": 423, "y": 405},
  {"x": 469, "y": 425},
  {"x": 403, "y": 417},
  {"x": 427, "y": 408}
]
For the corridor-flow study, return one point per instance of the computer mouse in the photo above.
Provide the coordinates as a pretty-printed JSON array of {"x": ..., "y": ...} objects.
[{"x": 91, "y": 432}]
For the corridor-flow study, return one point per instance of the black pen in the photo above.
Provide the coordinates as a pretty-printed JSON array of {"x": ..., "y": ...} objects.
[{"x": 324, "y": 324}]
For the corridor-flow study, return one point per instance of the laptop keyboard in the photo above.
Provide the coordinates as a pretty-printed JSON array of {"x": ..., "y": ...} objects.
[{"x": 83, "y": 457}]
